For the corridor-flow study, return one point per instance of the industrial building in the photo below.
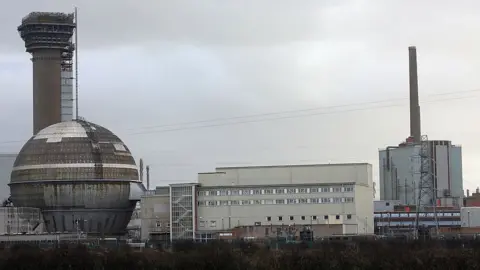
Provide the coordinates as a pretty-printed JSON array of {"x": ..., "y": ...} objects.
[
  {"x": 6, "y": 165},
  {"x": 48, "y": 37},
  {"x": 420, "y": 171},
  {"x": 155, "y": 215},
  {"x": 262, "y": 202},
  {"x": 80, "y": 175},
  {"x": 400, "y": 172},
  {"x": 329, "y": 198}
]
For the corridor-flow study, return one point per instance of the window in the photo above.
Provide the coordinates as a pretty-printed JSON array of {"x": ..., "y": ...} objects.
[
  {"x": 292, "y": 218},
  {"x": 313, "y": 190},
  {"x": 268, "y": 201},
  {"x": 337, "y": 200},
  {"x": 314, "y": 217},
  {"x": 223, "y": 192},
  {"x": 266, "y": 231},
  {"x": 314, "y": 200},
  {"x": 257, "y": 202},
  {"x": 245, "y": 202},
  {"x": 268, "y": 191},
  {"x": 213, "y": 224},
  {"x": 218, "y": 193},
  {"x": 245, "y": 192},
  {"x": 337, "y": 217},
  {"x": 302, "y": 201},
  {"x": 387, "y": 204},
  {"x": 325, "y": 217},
  {"x": 303, "y": 217},
  {"x": 291, "y": 191},
  {"x": 235, "y": 202},
  {"x": 210, "y": 203},
  {"x": 279, "y": 191},
  {"x": 269, "y": 218},
  {"x": 290, "y": 201},
  {"x": 302, "y": 190},
  {"x": 224, "y": 203},
  {"x": 202, "y": 203},
  {"x": 348, "y": 189},
  {"x": 349, "y": 199},
  {"x": 280, "y": 218},
  {"x": 325, "y": 189},
  {"x": 257, "y": 191},
  {"x": 325, "y": 200},
  {"x": 217, "y": 203},
  {"x": 349, "y": 216},
  {"x": 235, "y": 192},
  {"x": 202, "y": 223},
  {"x": 281, "y": 201}
]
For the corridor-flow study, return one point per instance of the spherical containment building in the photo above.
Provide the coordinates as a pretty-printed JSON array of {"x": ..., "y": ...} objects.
[{"x": 80, "y": 175}]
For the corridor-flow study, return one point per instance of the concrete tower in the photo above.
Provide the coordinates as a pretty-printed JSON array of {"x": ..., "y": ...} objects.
[{"x": 48, "y": 37}]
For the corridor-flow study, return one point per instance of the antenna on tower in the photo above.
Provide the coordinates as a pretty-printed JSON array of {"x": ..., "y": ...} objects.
[{"x": 76, "y": 63}]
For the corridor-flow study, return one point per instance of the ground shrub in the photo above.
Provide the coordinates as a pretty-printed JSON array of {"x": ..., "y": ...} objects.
[{"x": 391, "y": 255}]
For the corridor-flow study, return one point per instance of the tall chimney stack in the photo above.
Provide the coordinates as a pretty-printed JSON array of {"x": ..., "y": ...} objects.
[
  {"x": 148, "y": 177},
  {"x": 415, "y": 127}
]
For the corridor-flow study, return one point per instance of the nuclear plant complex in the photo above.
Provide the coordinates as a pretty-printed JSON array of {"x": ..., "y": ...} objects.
[{"x": 78, "y": 179}]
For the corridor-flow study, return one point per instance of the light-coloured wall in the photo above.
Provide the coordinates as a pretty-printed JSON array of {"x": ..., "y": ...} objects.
[
  {"x": 359, "y": 173},
  {"x": 20, "y": 219},
  {"x": 254, "y": 197},
  {"x": 470, "y": 216},
  {"x": 364, "y": 210},
  {"x": 155, "y": 214},
  {"x": 400, "y": 182},
  {"x": 6, "y": 165}
]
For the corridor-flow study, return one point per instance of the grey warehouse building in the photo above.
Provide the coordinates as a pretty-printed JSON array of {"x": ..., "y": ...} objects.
[{"x": 80, "y": 175}]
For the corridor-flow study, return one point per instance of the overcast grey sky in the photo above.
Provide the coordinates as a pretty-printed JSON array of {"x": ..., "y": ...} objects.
[{"x": 149, "y": 63}]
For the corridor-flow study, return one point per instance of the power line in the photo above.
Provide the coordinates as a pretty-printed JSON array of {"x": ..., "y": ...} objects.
[
  {"x": 284, "y": 117},
  {"x": 297, "y": 111}
]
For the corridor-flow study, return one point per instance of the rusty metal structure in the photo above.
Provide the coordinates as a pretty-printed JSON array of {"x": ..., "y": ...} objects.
[
  {"x": 81, "y": 176},
  {"x": 48, "y": 37}
]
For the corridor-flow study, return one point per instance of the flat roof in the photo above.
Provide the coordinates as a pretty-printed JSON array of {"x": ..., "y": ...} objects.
[{"x": 293, "y": 165}]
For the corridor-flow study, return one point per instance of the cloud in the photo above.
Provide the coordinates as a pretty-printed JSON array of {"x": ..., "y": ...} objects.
[
  {"x": 168, "y": 62},
  {"x": 215, "y": 22}
]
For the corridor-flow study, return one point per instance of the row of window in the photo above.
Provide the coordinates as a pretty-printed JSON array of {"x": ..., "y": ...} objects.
[
  {"x": 213, "y": 223},
  {"x": 270, "y": 191},
  {"x": 396, "y": 215},
  {"x": 277, "y": 201}
]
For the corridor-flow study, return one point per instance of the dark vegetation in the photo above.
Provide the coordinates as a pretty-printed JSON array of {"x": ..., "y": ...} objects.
[{"x": 245, "y": 256}]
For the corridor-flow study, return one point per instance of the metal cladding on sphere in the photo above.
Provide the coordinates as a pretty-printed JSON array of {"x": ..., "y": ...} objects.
[{"x": 80, "y": 175}]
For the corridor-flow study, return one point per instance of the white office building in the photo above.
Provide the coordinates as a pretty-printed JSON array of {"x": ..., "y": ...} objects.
[{"x": 328, "y": 198}]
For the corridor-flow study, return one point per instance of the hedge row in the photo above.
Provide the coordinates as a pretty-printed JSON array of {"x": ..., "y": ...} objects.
[{"x": 362, "y": 255}]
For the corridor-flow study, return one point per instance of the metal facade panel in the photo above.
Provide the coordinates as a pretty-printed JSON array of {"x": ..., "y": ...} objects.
[
  {"x": 442, "y": 165},
  {"x": 399, "y": 177}
]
